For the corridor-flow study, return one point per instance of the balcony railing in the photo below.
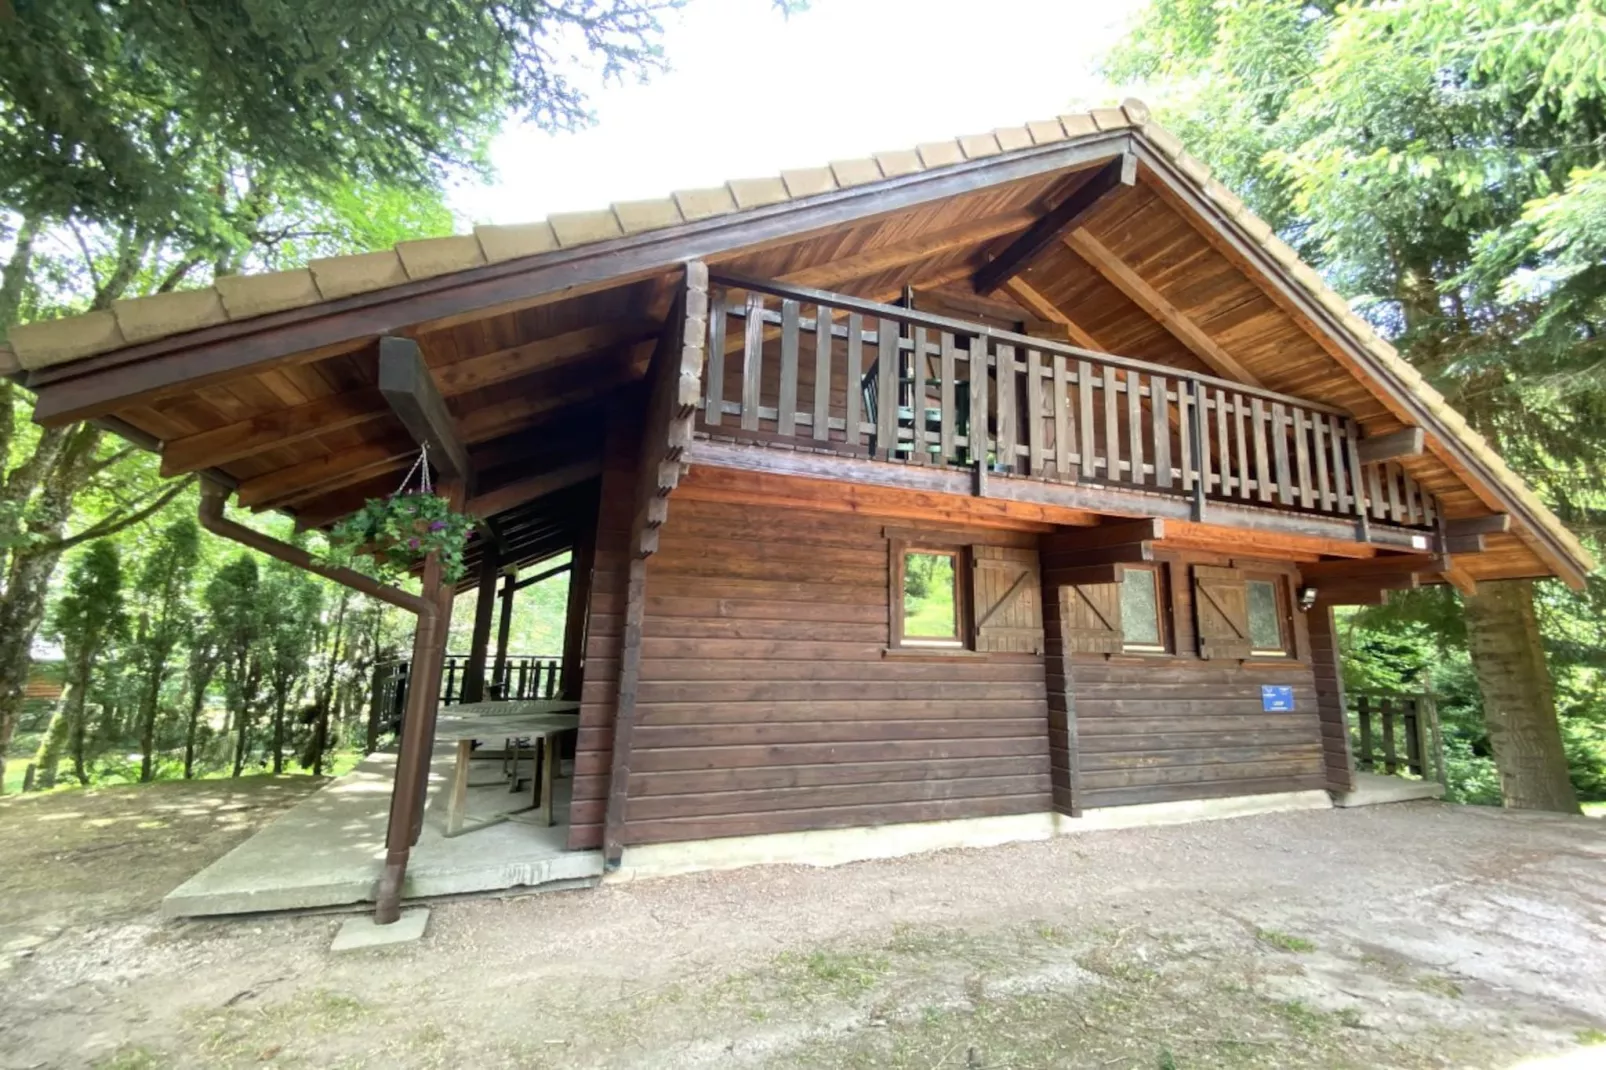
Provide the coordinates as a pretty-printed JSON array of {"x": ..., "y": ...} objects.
[
  {"x": 875, "y": 380},
  {"x": 1396, "y": 733},
  {"x": 525, "y": 676}
]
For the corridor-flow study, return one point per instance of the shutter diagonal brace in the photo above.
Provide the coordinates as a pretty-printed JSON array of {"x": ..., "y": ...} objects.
[
  {"x": 1094, "y": 606},
  {"x": 1009, "y": 596},
  {"x": 1237, "y": 632}
]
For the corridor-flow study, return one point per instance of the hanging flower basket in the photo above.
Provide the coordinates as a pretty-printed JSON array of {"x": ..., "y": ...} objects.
[{"x": 398, "y": 532}]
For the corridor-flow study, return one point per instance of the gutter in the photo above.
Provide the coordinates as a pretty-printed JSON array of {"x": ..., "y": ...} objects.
[{"x": 412, "y": 761}]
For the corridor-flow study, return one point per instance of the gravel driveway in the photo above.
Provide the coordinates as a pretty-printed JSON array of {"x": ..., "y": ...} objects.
[{"x": 1409, "y": 935}]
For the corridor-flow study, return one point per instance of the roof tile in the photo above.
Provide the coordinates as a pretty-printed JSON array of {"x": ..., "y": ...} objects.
[
  {"x": 808, "y": 181},
  {"x": 245, "y": 296},
  {"x": 855, "y": 172},
  {"x": 637, "y": 216},
  {"x": 511, "y": 241},
  {"x": 46, "y": 342},
  {"x": 1168, "y": 143},
  {"x": 1046, "y": 131},
  {"x": 1078, "y": 125},
  {"x": 428, "y": 257},
  {"x": 143, "y": 318},
  {"x": 583, "y": 228},
  {"x": 757, "y": 192},
  {"x": 1228, "y": 201},
  {"x": 1110, "y": 118},
  {"x": 902, "y": 162},
  {"x": 342, "y": 276},
  {"x": 1011, "y": 138},
  {"x": 979, "y": 146},
  {"x": 703, "y": 203},
  {"x": 1193, "y": 167},
  {"x": 940, "y": 154},
  {"x": 1137, "y": 112},
  {"x": 1258, "y": 229}
]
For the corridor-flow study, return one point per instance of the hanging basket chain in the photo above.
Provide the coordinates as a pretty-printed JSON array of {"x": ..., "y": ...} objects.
[{"x": 420, "y": 466}]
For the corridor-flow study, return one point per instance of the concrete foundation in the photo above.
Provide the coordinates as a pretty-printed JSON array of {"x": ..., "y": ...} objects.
[
  {"x": 360, "y": 932},
  {"x": 1371, "y": 789},
  {"x": 328, "y": 850}
]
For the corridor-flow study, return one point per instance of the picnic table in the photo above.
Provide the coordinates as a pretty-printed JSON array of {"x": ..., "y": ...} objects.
[{"x": 541, "y": 722}]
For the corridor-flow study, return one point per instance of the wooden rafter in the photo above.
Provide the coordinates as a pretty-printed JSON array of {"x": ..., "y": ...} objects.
[
  {"x": 282, "y": 427},
  {"x": 532, "y": 487},
  {"x": 405, "y": 383},
  {"x": 914, "y": 250},
  {"x": 1119, "y": 173},
  {"x": 1406, "y": 442},
  {"x": 1151, "y": 301},
  {"x": 341, "y": 468},
  {"x": 514, "y": 362},
  {"x": 1043, "y": 308}
]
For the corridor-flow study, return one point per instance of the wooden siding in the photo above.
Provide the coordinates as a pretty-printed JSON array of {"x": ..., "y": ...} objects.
[
  {"x": 605, "y": 615},
  {"x": 1330, "y": 699},
  {"x": 1162, "y": 728},
  {"x": 767, "y": 702}
]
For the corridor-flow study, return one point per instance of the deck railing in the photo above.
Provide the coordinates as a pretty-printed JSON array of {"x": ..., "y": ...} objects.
[
  {"x": 525, "y": 676},
  {"x": 829, "y": 372},
  {"x": 1396, "y": 733}
]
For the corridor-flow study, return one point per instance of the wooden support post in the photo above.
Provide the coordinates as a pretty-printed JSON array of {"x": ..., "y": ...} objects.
[
  {"x": 479, "y": 645},
  {"x": 503, "y": 627},
  {"x": 418, "y": 728},
  {"x": 574, "y": 622}
]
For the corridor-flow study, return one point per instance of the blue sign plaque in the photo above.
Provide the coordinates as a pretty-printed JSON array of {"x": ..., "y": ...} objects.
[{"x": 1276, "y": 698}]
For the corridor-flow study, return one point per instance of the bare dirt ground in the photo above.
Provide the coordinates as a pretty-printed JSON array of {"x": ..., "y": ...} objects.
[{"x": 1416, "y": 935}]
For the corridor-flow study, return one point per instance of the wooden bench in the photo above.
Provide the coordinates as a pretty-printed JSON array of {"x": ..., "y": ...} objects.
[{"x": 542, "y": 723}]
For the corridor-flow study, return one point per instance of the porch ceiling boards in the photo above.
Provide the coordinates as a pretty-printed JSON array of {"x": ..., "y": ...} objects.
[{"x": 520, "y": 325}]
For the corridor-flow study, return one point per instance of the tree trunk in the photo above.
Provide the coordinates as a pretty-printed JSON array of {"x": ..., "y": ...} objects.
[
  {"x": 196, "y": 702},
  {"x": 1519, "y": 701},
  {"x": 279, "y": 700},
  {"x": 148, "y": 704},
  {"x": 48, "y": 758}
]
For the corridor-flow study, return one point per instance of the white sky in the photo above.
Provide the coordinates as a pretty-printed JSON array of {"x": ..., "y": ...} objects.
[{"x": 751, "y": 93}]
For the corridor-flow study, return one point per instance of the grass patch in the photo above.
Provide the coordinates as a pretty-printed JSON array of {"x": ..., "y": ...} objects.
[
  {"x": 842, "y": 974},
  {"x": 1284, "y": 941},
  {"x": 1590, "y": 1037},
  {"x": 1439, "y": 985},
  {"x": 1594, "y": 809},
  {"x": 132, "y": 1059}
]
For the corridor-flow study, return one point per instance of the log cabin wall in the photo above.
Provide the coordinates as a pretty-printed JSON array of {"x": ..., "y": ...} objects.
[
  {"x": 604, "y": 630},
  {"x": 1330, "y": 699},
  {"x": 768, "y": 701},
  {"x": 1148, "y": 728}
]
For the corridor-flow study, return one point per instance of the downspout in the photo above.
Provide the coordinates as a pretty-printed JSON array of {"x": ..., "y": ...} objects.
[{"x": 407, "y": 795}]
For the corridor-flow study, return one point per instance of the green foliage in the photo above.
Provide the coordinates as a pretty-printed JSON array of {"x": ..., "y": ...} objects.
[
  {"x": 400, "y": 531},
  {"x": 1443, "y": 162},
  {"x": 119, "y": 113}
]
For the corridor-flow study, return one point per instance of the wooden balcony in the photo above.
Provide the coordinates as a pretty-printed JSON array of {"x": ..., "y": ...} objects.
[{"x": 810, "y": 370}]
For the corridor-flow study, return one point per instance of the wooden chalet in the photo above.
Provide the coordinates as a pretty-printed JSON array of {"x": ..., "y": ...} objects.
[{"x": 965, "y": 491}]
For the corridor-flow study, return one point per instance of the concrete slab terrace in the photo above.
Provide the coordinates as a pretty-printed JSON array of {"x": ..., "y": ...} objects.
[
  {"x": 328, "y": 850},
  {"x": 1372, "y": 789}
]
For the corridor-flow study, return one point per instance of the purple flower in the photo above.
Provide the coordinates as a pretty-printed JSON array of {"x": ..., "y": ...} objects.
[
  {"x": 437, "y": 525},
  {"x": 412, "y": 544}
]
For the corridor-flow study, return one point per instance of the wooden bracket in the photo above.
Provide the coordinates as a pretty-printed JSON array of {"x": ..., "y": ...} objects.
[
  {"x": 1119, "y": 173},
  {"x": 1406, "y": 442},
  {"x": 408, "y": 389}
]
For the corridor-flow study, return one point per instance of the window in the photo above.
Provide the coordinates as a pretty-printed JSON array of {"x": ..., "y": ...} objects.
[
  {"x": 930, "y": 600},
  {"x": 1142, "y": 616},
  {"x": 1268, "y": 619}
]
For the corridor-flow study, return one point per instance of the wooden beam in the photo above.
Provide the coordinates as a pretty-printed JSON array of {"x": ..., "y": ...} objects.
[
  {"x": 1151, "y": 301},
  {"x": 1461, "y": 580},
  {"x": 1494, "y": 524},
  {"x": 96, "y": 386},
  {"x": 532, "y": 487},
  {"x": 220, "y": 445},
  {"x": 1111, "y": 533},
  {"x": 898, "y": 254},
  {"x": 1464, "y": 544},
  {"x": 1043, "y": 308},
  {"x": 1406, "y": 442},
  {"x": 541, "y": 577},
  {"x": 1369, "y": 570},
  {"x": 408, "y": 389},
  {"x": 1119, "y": 173},
  {"x": 514, "y": 362},
  {"x": 1090, "y": 575},
  {"x": 283, "y": 486}
]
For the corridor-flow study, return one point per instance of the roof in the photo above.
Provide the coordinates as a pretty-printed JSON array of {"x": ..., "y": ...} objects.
[{"x": 53, "y": 350}]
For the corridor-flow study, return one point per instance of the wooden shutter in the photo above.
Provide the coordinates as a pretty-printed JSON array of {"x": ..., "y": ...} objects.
[
  {"x": 1090, "y": 618},
  {"x": 1221, "y": 609},
  {"x": 1007, "y": 598}
]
